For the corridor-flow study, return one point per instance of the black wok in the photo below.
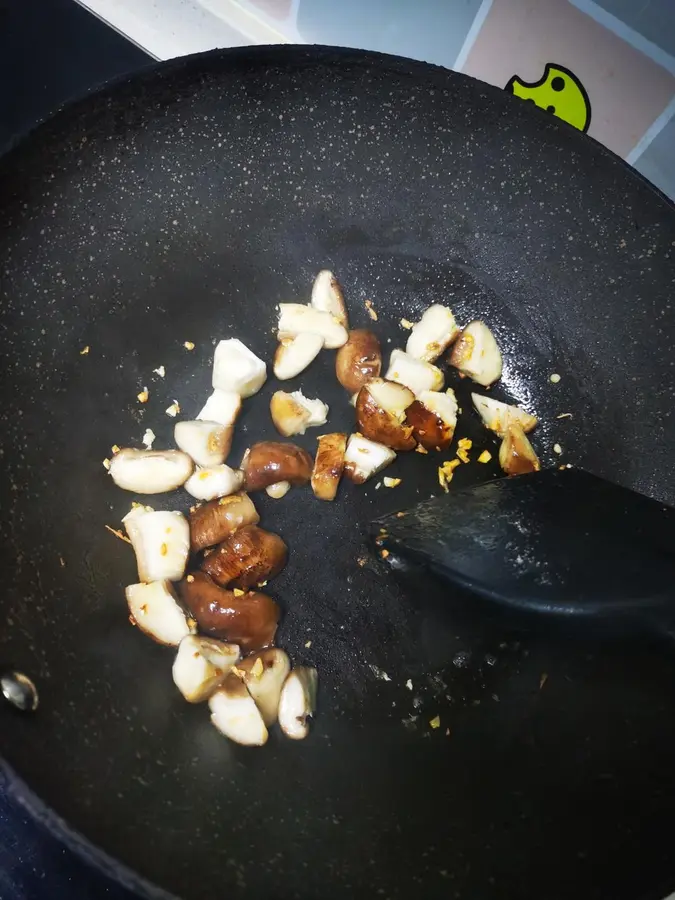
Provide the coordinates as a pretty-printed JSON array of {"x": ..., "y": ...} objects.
[{"x": 184, "y": 203}]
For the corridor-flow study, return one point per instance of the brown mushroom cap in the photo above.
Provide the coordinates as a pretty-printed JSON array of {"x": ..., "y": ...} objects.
[
  {"x": 246, "y": 558},
  {"x": 269, "y": 462},
  {"x": 359, "y": 360},
  {"x": 329, "y": 465},
  {"x": 214, "y": 521},
  {"x": 249, "y": 620},
  {"x": 428, "y": 428},
  {"x": 380, "y": 424}
]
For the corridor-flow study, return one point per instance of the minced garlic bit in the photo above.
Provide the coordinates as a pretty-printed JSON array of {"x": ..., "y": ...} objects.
[
  {"x": 143, "y": 396},
  {"x": 238, "y": 592},
  {"x": 84, "y": 351},
  {"x": 399, "y": 515},
  {"x": 435, "y": 722},
  {"x": 106, "y": 463},
  {"x": 555, "y": 378},
  {"x": 463, "y": 447},
  {"x": 190, "y": 579},
  {"x": 405, "y": 323},
  {"x": 371, "y": 312},
  {"x": 160, "y": 370},
  {"x": 115, "y": 448},
  {"x": 446, "y": 472},
  {"x": 362, "y": 560},
  {"x": 118, "y": 534},
  {"x": 557, "y": 449},
  {"x": 384, "y": 553},
  {"x": 409, "y": 684},
  {"x": 485, "y": 457},
  {"x": 149, "y": 438},
  {"x": 257, "y": 668},
  {"x": 391, "y": 482},
  {"x": 308, "y": 645},
  {"x": 564, "y": 416},
  {"x": 420, "y": 449},
  {"x": 62, "y": 561},
  {"x": 189, "y": 345},
  {"x": 173, "y": 410}
]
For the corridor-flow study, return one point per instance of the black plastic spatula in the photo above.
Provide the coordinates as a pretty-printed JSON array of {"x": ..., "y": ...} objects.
[{"x": 562, "y": 543}]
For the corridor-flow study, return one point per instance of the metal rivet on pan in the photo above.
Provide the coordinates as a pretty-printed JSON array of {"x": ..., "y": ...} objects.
[{"x": 19, "y": 690}]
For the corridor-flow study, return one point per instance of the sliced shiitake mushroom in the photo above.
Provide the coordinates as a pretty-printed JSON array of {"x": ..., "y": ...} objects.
[
  {"x": 414, "y": 373},
  {"x": 298, "y": 702},
  {"x": 497, "y": 415},
  {"x": 155, "y": 609},
  {"x": 477, "y": 355},
  {"x": 359, "y": 360},
  {"x": 293, "y": 355},
  {"x": 294, "y": 413},
  {"x": 329, "y": 465},
  {"x": 235, "y": 714},
  {"x": 213, "y": 522},
  {"x": 264, "y": 674},
  {"x": 269, "y": 462},
  {"x": 237, "y": 369},
  {"x": 249, "y": 620},
  {"x": 364, "y": 458},
  {"x": 222, "y": 407},
  {"x": 208, "y": 443},
  {"x": 327, "y": 296},
  {"x": 433, "y": 334},
  {"x": 294, "y": 319},
  {"x": 380, "y": 412},
  {"x": 433, "y": 417},
  {"x": 246, "y": 558},
  {"x": 516, "y": 453},
  {"x": 150, "y": 471},
  {"x": 201, "y": 665},
  {"x": 214, "y": 481},
  {"x": 161, "y": 542}
]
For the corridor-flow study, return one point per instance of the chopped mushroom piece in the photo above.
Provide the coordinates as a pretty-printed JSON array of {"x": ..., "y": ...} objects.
[
  {"x": 173, "y": 410},
  {"x": 414, "y": 373},
  {"x": 246, "y": 558},
  {"x": 294, "y": 319},
  {"x": 150, "y": 471},
  {"x": 208, "y": 443},
  {"x": 161, "y": 542},
  {"x": 237, "y": 369},
  {"x": 516, "y": 453},
  {"x": 298, "y": 702},
  {"x": 148, "y": 438},
  {"x": 235, "y": 714},
  {"x": 264, "y": 674},
  {"x": 214, "y": 481},
  {"x": 278, "y": 490},
  {"x": 329, "y": 465},
  {"x": 294, "y": 413},
  {"x": 433, "y": 417},
  {"x": 359, "y": 360},
  {"x": 380, "y": 412},
  {"x": 327, "y": 296},
  {"x": 477, "y": 355},
  {"x": 154, "y": 607},
  {"x": 201, "y": 665},
  {"x": 293, "y": 355},
  {"x": 433, "y": 334},
  {"x": 212, "y": 523},
  {"x": 269, "y": 462},
  {"x": 222, "y": 407},
  {"x": 248, "y": 619},
  {"x": 497, "y": 416},
  {"x": 364, "y": 458}
]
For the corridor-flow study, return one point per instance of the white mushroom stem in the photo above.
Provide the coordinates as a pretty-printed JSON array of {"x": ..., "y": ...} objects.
[
  {"x": 477, "y": 355},
  {"x": 278, "y": 490},
  {"x": 497, "y": 416},
  {"x": 150, "y": 471},
  {"x": 264, "y": 674},
  {"x": 156, "y": 611},
  {"x": 201, "y": 665},
  {"x": 434, "y": 332},
  {"x": 293, "y": 355},
  {"x": 161, "y": 542},
  {"x": 222, "y": 407},
  {"x": 214, "y": 481},
  {"x": 235, "y": 714},
  {"x": 294, "y": 319},
  {"x": 327, "y": 296},
  {"x": 237, "y": 369},
  {"x": 208, "y": 443},
  {"x": 391, "y": 396},
  {"x": 414, "y": 373},
  {"x": 294, "y": 413},
  {"x": 364, "y": 458},
  {"x": 298, "y": 702}
]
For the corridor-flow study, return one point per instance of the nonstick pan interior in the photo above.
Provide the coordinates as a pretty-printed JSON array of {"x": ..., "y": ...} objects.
[{"x": 182, "y": 205}]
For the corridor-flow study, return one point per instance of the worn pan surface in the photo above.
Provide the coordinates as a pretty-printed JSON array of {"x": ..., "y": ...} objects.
[{"x": 183, "y": 204}]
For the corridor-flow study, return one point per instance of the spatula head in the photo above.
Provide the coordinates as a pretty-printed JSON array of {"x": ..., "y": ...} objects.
[{"x": 560, "y": 542}]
